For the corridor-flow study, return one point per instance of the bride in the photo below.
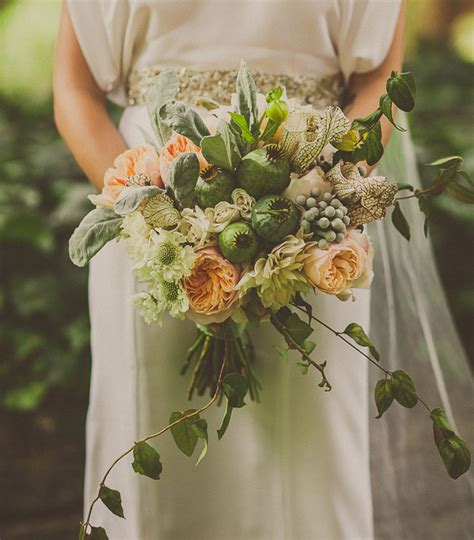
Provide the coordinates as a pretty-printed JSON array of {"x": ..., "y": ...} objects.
[{"x": 279, "y": 473}]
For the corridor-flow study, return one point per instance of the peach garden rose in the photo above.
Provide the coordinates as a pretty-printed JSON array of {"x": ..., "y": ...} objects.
[
  {"x": 342, "y": 266},
  {"x": 134, "y": 161},
  {"x": 177, "y": 145},
  {"x": 211, "y": 287}
]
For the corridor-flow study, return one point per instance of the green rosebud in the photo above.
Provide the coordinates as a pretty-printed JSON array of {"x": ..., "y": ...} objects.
[
  {"x": 277, "y": 111},
  {"x": 349, "y": 141}
]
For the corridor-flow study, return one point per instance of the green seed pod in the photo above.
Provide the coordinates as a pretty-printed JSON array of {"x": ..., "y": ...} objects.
[
  {"x": 238, "y": 242},
  {"x": 274, "y": 217},
  {"x": 213, "y": 186},
  {"x": 264, "y": 171}
]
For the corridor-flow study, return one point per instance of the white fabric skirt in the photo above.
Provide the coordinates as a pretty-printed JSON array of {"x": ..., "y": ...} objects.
[{"x": 294, "y": 467}]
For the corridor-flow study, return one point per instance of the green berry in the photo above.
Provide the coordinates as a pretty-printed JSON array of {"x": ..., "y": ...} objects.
[
  {"x": 336, "y": 203},
  {"x": 306, "y": 225},
  {"x": 323, "y": 244},
  {"x": 344, "y": 210},
  {"x": 327, "y": 197},
  {"x": 330, "y": 212},
  {"x": 308, "y": 215},
  {"x": 311, "y": 202},
  {"x": 314, "y": 212},
  {"x": 315, "y": 192},
  {"x": 339, "y": 213},
  {"x": 340, "y": 236},
  {"x": 238, "y": 242},
  {"x": 301, "y": 200},
  {"x": 338, "y": 224},
  {"x": 322, "y": 205},
  {"x": 323, "y": 223},
  {"x": 346, "y": 220},
  {"x": 330, "y": 236}
]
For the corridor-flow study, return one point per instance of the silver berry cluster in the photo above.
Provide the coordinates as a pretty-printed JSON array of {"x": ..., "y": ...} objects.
[{"x": 325, "y": 217}]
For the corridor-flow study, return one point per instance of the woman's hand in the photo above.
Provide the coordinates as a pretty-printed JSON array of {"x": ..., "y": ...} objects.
[
  {"x": 79, "y": 107},
  {"x": 368, "y": 87}
]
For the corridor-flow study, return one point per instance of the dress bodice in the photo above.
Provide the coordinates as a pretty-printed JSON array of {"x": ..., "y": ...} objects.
[{"x": 291, "y": 37}]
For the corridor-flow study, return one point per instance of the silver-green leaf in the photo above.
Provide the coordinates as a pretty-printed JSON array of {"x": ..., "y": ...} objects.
[
  {"x": 164, "y": 88},
  {"x": 97, "y": 228},
  {"x": 182, "y": 178},
  {"x": 247, "y": 96},
  {"x": 184, "y": 120}
]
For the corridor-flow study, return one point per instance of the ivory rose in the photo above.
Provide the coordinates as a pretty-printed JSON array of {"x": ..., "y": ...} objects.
[
  {"x": 177, "y": 145},
  {"x": 132, "y": 162},
  {"x": 342, "y": 266},
  {"x": 302, "y": 185},
  {"x": 211, "y": 287}
]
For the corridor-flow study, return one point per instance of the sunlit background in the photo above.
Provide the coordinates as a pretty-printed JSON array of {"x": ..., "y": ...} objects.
[{"x": 44, "y": 339}]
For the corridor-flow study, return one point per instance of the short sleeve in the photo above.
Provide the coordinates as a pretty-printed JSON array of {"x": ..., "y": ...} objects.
[
  {"x": 100, "y": 27},
  {"x": 365, "y": 33}
]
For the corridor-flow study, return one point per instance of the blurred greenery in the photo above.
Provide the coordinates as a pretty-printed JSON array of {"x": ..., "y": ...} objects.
[{"x": 43, "y": 297}]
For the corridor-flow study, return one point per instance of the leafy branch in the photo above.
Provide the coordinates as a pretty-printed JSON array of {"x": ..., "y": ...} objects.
[
  {"x": 146, "y": 460},
  {"x": 398, "y": 385}
]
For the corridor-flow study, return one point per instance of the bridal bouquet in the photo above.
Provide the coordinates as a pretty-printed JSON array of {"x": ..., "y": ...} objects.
[{"x": 232, "y": 216}]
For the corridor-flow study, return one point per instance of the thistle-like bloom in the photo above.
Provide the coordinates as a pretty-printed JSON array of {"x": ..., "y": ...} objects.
[
  {"x": 165, "y": 296},
  {"x": 279, "y": 276},
  {"x": 169, "y": 260},
  {"x": 136, "y": 233}
]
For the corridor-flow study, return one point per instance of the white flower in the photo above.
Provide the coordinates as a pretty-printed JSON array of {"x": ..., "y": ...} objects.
[
  {"x": 302, "y": 185},
  {"x": 171, "y": 297},
  {"x": 136, "y": 233},
  {"x": 168, "y": 258},
  {"x": 147, "y": 307},
  {"x": 243, "y": 201},
  {"x": 278, "y": 277},
  {"x": 197, "y": 225}
]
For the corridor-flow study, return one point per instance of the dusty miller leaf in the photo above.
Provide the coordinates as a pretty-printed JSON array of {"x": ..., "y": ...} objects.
[
  {"x": 182, "y": 178},
  {"x": 163, "y": 89},
  {"x": 184, "y": 120}
]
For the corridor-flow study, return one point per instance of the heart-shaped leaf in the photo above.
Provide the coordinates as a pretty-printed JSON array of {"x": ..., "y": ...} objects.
[
  {"x": 235, "y": 388},
  {"x": 383, "y": 396},
  {"x": 97, "y": 533},
  {"x": 455, "y": 454},
  {"x": 403, "y": 389},
  {"x": 112, "y": 499},
  {"x": 200, "y": 429},
  {"x": 146, "y": 460},
  {"x": 183, "y": 434},
  {"x": 357, "y": 333},
  {"x": 400, "y": 222}
]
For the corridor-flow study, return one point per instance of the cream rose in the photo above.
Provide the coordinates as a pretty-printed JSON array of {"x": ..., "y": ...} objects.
[
  {"x": 342, "y": 266},
  {"x": 211, "y": 287},
  {"x": 302, "y": 185},
  {"x": 134, "y": 161}
]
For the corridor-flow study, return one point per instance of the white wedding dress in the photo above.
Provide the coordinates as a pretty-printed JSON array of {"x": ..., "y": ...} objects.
[{"x": 295, "y": 466}]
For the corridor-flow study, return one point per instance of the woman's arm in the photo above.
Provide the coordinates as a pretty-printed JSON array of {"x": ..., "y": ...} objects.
[
  {"x": 368, "y": 87},
  {"x": 79, "y": 107}
]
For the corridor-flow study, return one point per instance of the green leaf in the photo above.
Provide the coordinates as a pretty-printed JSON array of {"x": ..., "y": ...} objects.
[
  {"x": 440, "y": 421},
  {"x": 184, "y": 120},
  {"x": 221, "y": 149},
  {"x": 400, "y": 222},
  {"x": 460, "y": 193},
  {"x": 97, "y": 228},
  {"x": 200, "y": 429},
  {"x": 241, "y": 122},
  {"x": 386, "y": 107},
  {"x": 235, "y": 388},
  {"x": 303, "y": 367},
  {"x": 146, "y": 460},
  {"x": 357, "y": 333},
  {"x": 383, "y": 396},
  {"x": 298, "y": 329},
  {"x": 455, "y": 454},
  {"x": 112, "y": 499},
  {"x": 283, "y": 352},
  {"x": 410, "y": 81},
  {"x": 182, "y": 178},
  {"x": 163, "y": 88},
  {"x": 365, "y": 123},
  {"x": 403, "y": 185},
  {"x": 373, "y": 145},
  {"x": 183, "y": 434},
  {"x": 309, "y": 346},
  {"x": 97, "y": 533},
  {"x": 426, "y": 206},
  {"x": 452, "y": 160},
  {"x": 403, "y": 389},
  {"x": 230, "y": 142},
  {"x": 130, "y": 198},
  {"x": 225, "y": 421},
  {"x": 400, "y": 90},
  {"x": 247, "y": 96}
]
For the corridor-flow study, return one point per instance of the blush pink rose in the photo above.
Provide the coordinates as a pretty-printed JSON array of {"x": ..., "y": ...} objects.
[
  {"x": 139, "y": 160},
  {"x": 342, "y": 266},
  {"x": 211, "y": 287},
  {"x": 177, "y": 145}
]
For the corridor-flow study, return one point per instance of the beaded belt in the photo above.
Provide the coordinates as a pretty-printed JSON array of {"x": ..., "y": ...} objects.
[{"x": 218, "y": 85}]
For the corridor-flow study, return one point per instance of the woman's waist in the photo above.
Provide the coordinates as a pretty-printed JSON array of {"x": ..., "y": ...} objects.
[{"x": 218, "y": 85}]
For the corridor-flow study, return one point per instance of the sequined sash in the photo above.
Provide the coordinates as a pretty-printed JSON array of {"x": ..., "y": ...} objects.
[{"x": 218, "y": 85}]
